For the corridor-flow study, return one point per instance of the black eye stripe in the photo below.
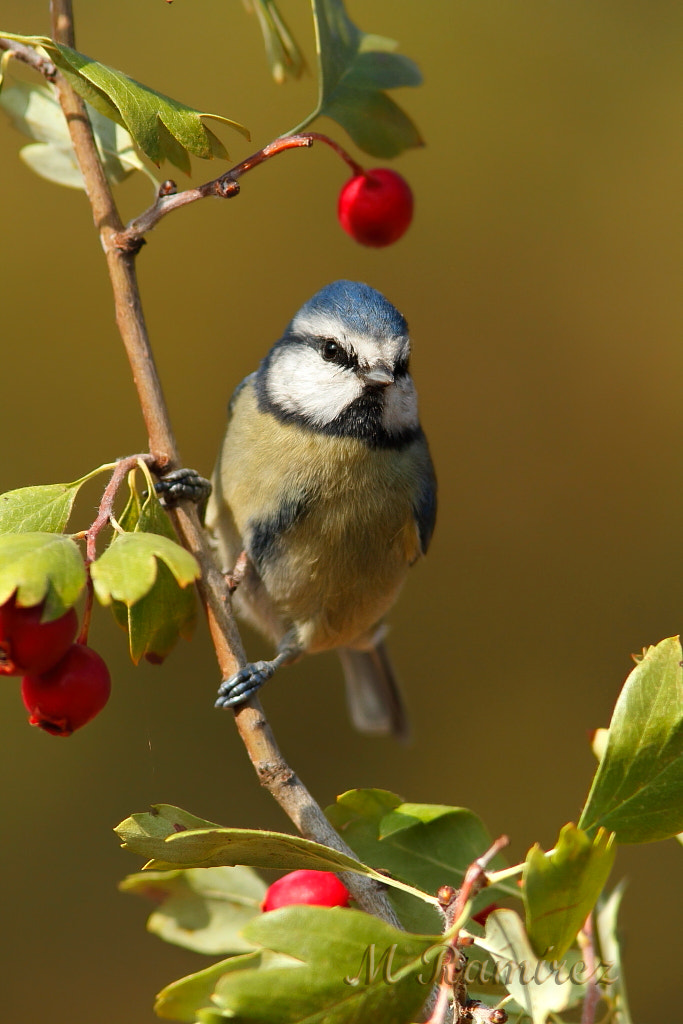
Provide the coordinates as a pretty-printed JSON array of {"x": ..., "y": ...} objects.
[{"x": 332, "y": 352}]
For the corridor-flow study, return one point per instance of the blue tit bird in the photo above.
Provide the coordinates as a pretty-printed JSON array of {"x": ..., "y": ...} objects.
[{"x": 325, "y": 484}]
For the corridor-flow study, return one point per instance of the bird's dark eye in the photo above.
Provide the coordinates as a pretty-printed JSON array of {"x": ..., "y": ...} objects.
[{"x": 330, "y": 350}]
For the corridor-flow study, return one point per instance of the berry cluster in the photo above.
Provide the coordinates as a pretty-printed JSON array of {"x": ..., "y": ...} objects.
[{"x": 64, "y": 684}]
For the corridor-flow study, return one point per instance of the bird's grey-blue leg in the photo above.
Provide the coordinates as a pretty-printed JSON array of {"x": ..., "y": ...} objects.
[{"x": 239, "y": 688}]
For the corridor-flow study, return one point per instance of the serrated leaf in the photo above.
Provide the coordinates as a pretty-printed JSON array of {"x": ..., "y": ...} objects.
[
  {"x": 539, "y": 988},
  {"x": 158, "y": 837},
  {"x": 376, "y": 124},
  {"x": 41, "y": 567},
  {"x": 329, "y": 976},
  {"x": 562, "y": 887},
  {"x": 163, "y": 128},
  {"x": 637, "y": 791},
  {"x": 354, "y": 68},
  {"x": 183, "y": 999},
  {"x": 282, "y": 52},
  {"x": 44, "y": 509},
  {"x": 203, "y": 909},
  {"x": 35, "y": 111},
  {"x": 168, "y": 611},
  {"x": 128, "y": 568},
  {"x": 610, "y": 953},
  {"x": 426, "y": 845}
]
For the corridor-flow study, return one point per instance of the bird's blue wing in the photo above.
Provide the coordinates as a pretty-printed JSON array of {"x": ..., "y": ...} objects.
[{"x": 424, "y": 507}]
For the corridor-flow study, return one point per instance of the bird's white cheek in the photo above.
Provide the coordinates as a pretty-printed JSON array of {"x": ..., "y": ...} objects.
[
  {"x": 400, "y": 407},
  {"x": 301, "y": 383}
]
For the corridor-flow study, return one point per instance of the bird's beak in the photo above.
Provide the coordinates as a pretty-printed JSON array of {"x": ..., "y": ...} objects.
[{"x": 379, "y": 376}]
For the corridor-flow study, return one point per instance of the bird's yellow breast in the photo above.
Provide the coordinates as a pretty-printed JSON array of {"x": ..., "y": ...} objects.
[{"x": 347, "y": 530}]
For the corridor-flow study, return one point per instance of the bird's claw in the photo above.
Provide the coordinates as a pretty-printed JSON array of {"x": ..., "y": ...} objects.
[
  {"x": 239, "y": 688},
  {"x": 183, "y": 485}
]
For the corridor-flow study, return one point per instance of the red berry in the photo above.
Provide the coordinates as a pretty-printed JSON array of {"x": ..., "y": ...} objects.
[
  {"x": 28, "y": 645},
  {"x": 376, "y": 208},
  {"x": 318, "y": 888},
  {"x": 70, "y": 694}
]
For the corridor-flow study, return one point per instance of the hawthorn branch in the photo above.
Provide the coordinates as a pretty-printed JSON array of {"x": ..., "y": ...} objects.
[{"x": 271, "y": 768}]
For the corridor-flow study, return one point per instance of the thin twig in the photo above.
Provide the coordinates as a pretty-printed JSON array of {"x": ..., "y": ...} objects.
[
  {"x": 104, "y": 513},
  {"x": 273, "y": 771},
  {"x": 103, "y": 518},
  {"x": 29, "y": 56},
  {"x": 593, "y": 994},
  {"x": 224, "y": 187}
]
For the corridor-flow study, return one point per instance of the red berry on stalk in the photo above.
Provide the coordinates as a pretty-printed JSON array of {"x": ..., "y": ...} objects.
[
  {"x": 376, "y": 208},
  {"x": 69, "y": 694},
  {"x": 29, "y": 646},
  {"x": 316, "y": 888}
]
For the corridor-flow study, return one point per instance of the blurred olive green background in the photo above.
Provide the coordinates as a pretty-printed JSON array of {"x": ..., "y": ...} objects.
[{"x": 541, "y": 279}]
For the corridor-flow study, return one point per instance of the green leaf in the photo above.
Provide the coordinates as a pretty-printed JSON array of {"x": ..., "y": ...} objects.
[
  {"x": 203, "y": 909},
  {"x": 354, "y": 68},
  {"x": 158, "y": 619},
  {"x": 142, "y": 833},
  {"x": 128, "y": 568},
  {"x": 562, "y": 887},
  {"x": 163, "y": 837},
  {"x": 183, "y": 999},
  {"x": 31, "y": 509},
  {"x": 344, "y": 966},
  {"x": 637, "y": 791},
  {"x": 426, "y": 845},
  {"x": 35, "y": 111},
  {"x": 168, "y": 611},
  {"x": 539, "y": 988},
  {"x": 284, "y": 56},
  {"x": 612, "y": 974},
  {"x": 41, "y": 566},
  {"x": 163, "y": 128}
]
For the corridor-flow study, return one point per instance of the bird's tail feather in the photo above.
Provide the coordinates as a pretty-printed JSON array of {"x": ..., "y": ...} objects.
[{"x": 374, "y": 698}]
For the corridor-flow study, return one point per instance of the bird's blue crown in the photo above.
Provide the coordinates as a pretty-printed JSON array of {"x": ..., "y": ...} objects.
[{"x": 359, "y": 308}]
